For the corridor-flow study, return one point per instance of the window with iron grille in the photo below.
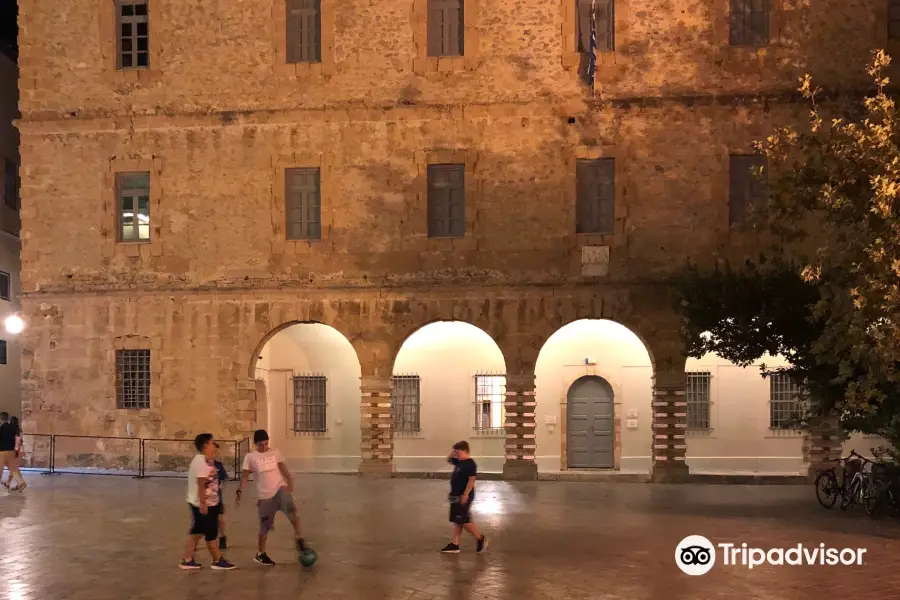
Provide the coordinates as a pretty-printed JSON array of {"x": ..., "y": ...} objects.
[
  {"x": 11, "y": 184},
  {"x": 595, "y": 209},
  {"x": 604, "y": 23},
  {"x": 893, "y": 19},
  {"x": 747, "y": 185},
  {"x": 446, "y": 201},
  {"x": 4, "y": 285},
  {"x": 2, "y": 352},
  {"x": 133, "y": 191},
  {"x": 304, "y": 31},
  {"x": 696, "y": 389},
  {"x": 405, "y": 407},
  {"x": 785, "y": 402},
  {"x": 310, "y": 404},
  {"x": 132, "y": 379},
  {"x": 490, "y": 396},
  {"x": 303, "y": 204},
  {"x": 749, "y": 23},
  {"x": 132, "y": 34},
  {"x": 446, "y": 26}
]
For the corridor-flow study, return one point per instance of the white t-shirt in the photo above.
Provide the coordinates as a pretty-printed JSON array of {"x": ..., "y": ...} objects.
[
  {"x": 200, "y": 468},
  {"x": 265, "y": 466}
]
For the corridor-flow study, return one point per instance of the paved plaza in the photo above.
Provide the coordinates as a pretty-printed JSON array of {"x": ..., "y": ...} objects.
[{"x": 99, "y": 538}]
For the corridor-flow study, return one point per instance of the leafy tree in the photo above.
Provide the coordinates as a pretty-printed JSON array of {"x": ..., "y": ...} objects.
[{"x": 827, "y": 295}]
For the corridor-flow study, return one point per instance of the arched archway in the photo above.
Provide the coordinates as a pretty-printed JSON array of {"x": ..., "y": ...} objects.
[
  {"x": 609, "y": 351},
  {"x": 310, "y": 378},
  {"x": 448, "y": 385}
]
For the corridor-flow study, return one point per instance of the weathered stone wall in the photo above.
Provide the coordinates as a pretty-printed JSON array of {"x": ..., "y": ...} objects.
[{"x": 219, "y": 116}]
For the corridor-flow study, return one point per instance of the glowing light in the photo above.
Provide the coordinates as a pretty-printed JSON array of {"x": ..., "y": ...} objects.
[{"x": 14, "y": 324}]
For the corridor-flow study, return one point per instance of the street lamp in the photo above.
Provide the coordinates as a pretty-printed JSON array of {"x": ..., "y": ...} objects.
[{"x": 14, "y": 324}]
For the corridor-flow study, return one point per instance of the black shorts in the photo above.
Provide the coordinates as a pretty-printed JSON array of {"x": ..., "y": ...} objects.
[
  {"x": 206, "y": 525},
  {"x": 459, "y": 513}
]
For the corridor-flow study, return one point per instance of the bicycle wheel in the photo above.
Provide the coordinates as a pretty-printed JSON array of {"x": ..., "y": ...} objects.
[
  {"x": 849, "y": 495},
  {"x": 827, "y": 489},
  {"x": 876, "y": 497}
]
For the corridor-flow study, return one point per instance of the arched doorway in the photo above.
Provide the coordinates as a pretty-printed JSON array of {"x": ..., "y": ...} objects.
[
  {"x": 590, "y": 426},
  {"x": 310, "y": 378},
  {"x": 614, "y": 354}
]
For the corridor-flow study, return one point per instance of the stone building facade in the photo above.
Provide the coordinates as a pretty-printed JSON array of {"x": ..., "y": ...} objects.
[{"x": 216, "y": 115}]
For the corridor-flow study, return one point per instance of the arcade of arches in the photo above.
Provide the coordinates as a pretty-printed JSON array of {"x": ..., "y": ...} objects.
[{"x": 536, "y": 381}]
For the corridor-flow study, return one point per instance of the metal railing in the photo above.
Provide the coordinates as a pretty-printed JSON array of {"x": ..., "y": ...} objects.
[{"x": 55, "y": 454}]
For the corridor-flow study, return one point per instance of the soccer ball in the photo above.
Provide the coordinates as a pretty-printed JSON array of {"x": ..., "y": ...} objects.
[{"x": 308, "y": 557}]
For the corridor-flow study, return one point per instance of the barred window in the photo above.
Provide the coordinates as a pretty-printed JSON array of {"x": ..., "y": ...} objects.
[
  {"x": 132, "y": 379},
  {"x": 3, "y": 352},
  {"x": 405, "y": 406},
  {"x": 4, "y": 286},
  {"x": 749, "y": 24},
  {"x": 133, "y": 191},
  {"x": 785, "y": 402},
  {"x": 309, "y": 404},
  {"x": 490, "y": 396},
  {"x": 304, "y": 31},
  {"x": 697, "y": 394},
  {"x": 132, "y": 34}
]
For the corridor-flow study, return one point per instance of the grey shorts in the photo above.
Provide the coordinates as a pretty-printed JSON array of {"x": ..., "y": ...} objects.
[{"x": 267, "y": 509}]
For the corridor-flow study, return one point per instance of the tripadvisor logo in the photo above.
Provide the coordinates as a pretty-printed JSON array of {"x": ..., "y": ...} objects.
[{"x": 696, "y": 555}]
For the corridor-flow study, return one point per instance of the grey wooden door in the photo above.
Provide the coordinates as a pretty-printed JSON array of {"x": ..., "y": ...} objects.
[{"x": 590, "y": 441}]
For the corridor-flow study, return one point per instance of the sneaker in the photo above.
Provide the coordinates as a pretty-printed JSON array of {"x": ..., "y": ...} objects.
[
  {"x": 450, "y": 549},
  {"x": 263, "y": 559},
  {"x": 223, "y": 565},
  {"x": 301, "y": 545},
  {"x": 189, "y": 565},
  {"x": 481, "y": 545},
  {"x": 223, "y": 542}
]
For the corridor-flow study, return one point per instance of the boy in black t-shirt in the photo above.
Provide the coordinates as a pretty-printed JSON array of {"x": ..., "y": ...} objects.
[{"x": 462, "y": 494}]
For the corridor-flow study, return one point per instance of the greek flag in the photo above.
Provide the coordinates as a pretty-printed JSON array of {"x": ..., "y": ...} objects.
[{"x": 592, "y": 65}]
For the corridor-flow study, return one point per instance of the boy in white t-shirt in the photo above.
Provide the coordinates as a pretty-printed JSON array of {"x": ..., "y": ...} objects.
[
  {"x": 274, "y": 486},
  {"x": 203, "y": 499}
]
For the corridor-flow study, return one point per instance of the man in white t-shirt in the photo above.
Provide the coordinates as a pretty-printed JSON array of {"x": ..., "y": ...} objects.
[
  {"x": 274, "y": 486},
  {"x": 203, "y": 498}
]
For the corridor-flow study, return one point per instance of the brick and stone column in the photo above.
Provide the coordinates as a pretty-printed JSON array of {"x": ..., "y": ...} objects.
[
  {"x": 377, "y": 446},
  {"x": 669, "y": 427},
  {"x": 822, "y": 444},
  {"x": 520, "y": 428}
]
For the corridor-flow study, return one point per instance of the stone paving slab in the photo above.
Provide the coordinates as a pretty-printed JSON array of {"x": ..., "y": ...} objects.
[{"x": 97, "y": 538}]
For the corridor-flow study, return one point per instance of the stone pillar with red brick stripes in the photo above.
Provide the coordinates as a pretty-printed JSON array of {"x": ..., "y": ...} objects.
[
  {"x": 823, "y": 444},
  {"x": 520, "y": 428},
  {"x": 377, "y": 446},
  {"x": 669, "y": 427}
]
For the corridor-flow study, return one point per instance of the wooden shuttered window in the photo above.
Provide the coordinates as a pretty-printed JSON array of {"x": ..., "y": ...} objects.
[
  {"x": 605, "y": 21},
  {"x": 749, "y": 23},
  {"x": 304, "y": 31},
  {"x": 446, "y": 201},
  {"x": 745, "y": 187},
  {"x": 595, "y": 210},
  {"x": 303, "y": 204},
  {"x": 446, "y": 28}
]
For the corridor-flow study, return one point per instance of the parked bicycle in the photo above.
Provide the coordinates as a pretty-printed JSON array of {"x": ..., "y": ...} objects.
[
  {"x": 854, "y": 484},
  {"x": 885, "y": 489}
]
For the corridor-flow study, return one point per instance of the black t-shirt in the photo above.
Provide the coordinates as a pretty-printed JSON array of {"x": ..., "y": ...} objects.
[
  {"x": 462, "y": 470},
  {"x": 7, "y": 437}
]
